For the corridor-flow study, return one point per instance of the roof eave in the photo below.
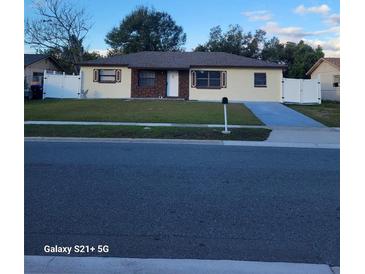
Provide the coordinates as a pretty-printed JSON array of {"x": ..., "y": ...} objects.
[
  {"x": 182, "y": 68},
  {"x": 318, "y": 63},
  {"x": 101, "y": 65},
  {"x": 159, "y": 68},
  {"x": 234, "y": 66}
]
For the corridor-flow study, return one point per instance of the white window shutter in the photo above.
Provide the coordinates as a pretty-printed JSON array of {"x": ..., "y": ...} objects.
[
  {"x": 118, "y": 75},
  {"x": 96, "y": 75},
  {"x": 193, "y": 79},
  {"x": 224, "y": 79}
]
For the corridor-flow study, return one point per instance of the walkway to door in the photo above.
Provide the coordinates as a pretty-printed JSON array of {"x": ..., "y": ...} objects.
[{"x": 275, "y": 114}]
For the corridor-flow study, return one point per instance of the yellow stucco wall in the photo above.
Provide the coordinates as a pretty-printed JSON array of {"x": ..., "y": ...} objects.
[
  {"x": 106, "y": 90},
  {"x": 240, "y": 86},
  {"x": 326, "y": 72}
]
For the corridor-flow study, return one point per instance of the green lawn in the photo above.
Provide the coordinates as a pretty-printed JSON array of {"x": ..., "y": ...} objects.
[
  {"x": 118, "y": 110},
  {"x": 327, "y": 113},
  {"x": 247, "y": 134}
]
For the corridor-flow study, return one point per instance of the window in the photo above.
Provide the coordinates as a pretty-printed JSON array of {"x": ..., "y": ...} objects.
[
  {"x": 260, "y": 79},
  {"x": 146, "y": 78},
  {"x": 208, "y": 79},
  {"x": 107, "y": 76},
  {"x": 336, "y": 81},
  {"x": 37, "y": 77}
]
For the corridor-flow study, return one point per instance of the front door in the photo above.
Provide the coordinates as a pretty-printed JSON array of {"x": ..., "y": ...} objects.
[{"x": 172, "y": 84}]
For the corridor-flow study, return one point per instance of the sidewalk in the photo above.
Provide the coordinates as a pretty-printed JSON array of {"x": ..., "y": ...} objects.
[{"x": 105, "y": 265}]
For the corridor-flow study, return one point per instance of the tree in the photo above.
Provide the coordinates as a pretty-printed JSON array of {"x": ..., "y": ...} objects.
[
  {"x": 64, "y": 55},
  {"x": 298, "y": 57},
  {"x": 146, "y": 29},
  {"x": 273, "y": 51},
  {"x": 59, "y": 28},
  {"x": 253, "y": 44},
  {"x": 234, "y": 41},
  {"x": 304, "y": 57}
]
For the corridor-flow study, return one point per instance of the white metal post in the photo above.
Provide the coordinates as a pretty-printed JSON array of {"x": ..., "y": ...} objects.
[
  {"x": 225, "y": 117},
  {"x": 225, "y": 120}
]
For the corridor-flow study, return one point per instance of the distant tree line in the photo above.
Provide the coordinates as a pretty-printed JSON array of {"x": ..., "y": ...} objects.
[
  {"x": 299, "y": 57},
  {"x": 60, "y": 30}
]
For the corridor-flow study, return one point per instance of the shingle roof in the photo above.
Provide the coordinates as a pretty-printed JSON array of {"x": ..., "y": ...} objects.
[
  {"x": 180, "y": 60},
  {"x": 332, "y": 60},
  {"x": 32, "y": 58}
]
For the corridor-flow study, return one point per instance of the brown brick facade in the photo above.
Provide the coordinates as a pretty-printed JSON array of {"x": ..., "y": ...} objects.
[
  {"x": 184, "y": 84},
  {"x": 159, "y": 89}
]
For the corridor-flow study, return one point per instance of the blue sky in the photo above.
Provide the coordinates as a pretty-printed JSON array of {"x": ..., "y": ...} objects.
[{"x": 317, "y": 22}]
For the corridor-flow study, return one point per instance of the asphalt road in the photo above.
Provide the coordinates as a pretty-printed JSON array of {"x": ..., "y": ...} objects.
[{"x": 184, "y": 201}]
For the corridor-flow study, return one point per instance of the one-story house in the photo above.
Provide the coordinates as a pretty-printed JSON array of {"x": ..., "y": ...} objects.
[
  {"x": 206, "y": 76},
  {"x": 328, "y": 72},
  {"x": 35, "y": 65}
]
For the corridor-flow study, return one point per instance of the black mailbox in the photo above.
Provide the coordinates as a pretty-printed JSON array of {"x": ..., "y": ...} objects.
[{"x": 225, "y": 100}]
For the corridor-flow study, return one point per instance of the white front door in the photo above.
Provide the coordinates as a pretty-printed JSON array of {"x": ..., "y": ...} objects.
[{"x": 172, "y": 83}]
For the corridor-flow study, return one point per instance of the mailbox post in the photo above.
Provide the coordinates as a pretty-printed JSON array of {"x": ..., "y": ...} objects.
[{"x": 225, "y": 103}]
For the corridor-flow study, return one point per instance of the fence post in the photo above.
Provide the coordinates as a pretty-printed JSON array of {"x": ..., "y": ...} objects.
[
  {"x": 282, "y": 90},
  {"x": 81, "y": 85},
  {"x": 44, "y": 83},
  {"x": 319, "y": 90},
  {"x": 301, "y": 91}
]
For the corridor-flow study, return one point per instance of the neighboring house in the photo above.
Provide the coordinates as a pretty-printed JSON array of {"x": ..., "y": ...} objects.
[
  {"x": 35, "y": 65},
  {"x": 328, "y": 71},
  {"x": 206, "y": 76}
]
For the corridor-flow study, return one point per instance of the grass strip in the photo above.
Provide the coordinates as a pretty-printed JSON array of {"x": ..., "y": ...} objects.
[{"x": 246, "y": 134}]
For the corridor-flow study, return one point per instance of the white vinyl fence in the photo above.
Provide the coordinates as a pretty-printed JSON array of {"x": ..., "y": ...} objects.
[
  {"x": 61, "y": 85},
  {"x": 302, "y": 91}
]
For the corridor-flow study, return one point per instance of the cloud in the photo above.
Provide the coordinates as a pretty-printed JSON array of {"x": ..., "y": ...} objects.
[
  {"x": 102, "y": 52},
  {"x": 294, "y": 34},
  {"x": 333, "y": 19},
  {"x": 331, "y": 48},
  {"x": 258, "y": 15},
  {"x": 322, "y": 9}
]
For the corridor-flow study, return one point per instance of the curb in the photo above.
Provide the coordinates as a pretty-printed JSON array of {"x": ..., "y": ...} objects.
[
  {"x": 181, "y": 142},
  {"x": 97, "y": 265}
]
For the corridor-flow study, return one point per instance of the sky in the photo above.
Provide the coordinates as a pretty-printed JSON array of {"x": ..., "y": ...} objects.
[{"x": 316, "y": 22}]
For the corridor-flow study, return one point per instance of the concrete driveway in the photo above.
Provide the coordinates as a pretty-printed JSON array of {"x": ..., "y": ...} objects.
[{"x": 275, "y": 114}]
